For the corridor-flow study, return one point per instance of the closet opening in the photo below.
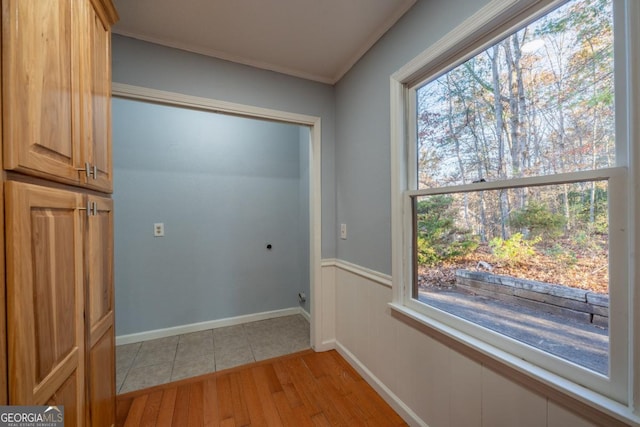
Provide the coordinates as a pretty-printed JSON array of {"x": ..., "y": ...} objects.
[{"x": 215, "y": 254}]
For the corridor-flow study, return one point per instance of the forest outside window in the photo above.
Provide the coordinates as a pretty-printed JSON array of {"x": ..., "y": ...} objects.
[{"x": 517, "y": 194}]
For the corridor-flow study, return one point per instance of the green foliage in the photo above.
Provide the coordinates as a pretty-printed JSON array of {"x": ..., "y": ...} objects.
[
  {"x": 538, "y": 220},
  {"x": 562, "y": 255},
  {"x": 589, "y": 242},
  {"x": 425, "y": 253},
  {"x": 438, "y": 236},
  {"x": 515, "y": 249},
  {"x": 580, "y": 207}
]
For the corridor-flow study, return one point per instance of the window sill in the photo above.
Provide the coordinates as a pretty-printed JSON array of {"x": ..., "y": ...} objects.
[{"x": 579, "y": 399}]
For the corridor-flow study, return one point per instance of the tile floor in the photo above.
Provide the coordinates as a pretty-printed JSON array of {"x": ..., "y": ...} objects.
[{"x": 145, "y": 364}]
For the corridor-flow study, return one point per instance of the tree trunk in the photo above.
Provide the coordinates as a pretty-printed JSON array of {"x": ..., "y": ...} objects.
[{"x": 499, "y": 112}]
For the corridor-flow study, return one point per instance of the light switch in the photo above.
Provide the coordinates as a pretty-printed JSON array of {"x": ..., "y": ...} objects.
[
  {"x": 343, "y": 231},
  {"x": 158, "y": 229}
]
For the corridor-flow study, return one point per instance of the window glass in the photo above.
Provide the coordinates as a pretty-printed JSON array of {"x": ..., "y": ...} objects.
[
  {"x": 539, "y": 102},
  {"x": 524, "y": 258},
  {"x": 538, "y": 274}
]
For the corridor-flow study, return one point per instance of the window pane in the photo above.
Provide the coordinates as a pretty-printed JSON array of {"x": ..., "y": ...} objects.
[
  {"x": 539, "y": 102},
  {"x": 531, "y": 263}
]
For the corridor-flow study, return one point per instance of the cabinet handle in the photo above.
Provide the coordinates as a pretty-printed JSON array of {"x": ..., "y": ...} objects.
[
  {"x": 91, "y": 171},
  {"x": 88, "y": 209},
  {"x": 86, "y": 169},
  {"x": 92, "y": 209}
]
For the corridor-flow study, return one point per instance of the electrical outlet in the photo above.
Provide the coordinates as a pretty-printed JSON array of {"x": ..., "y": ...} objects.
[
  {"x": 343, "y": 231},
  {"x": 158, "y": 229}
]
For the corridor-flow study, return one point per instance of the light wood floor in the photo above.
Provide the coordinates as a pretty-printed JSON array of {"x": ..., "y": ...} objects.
[{"x": 302, "y": 389}]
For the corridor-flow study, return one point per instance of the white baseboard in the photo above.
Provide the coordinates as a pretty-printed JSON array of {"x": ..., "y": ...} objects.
[
  {"x": 394, "y": 401},
  {"x": 325, "y": 346},
  {"x": 304, "y": 313},
  {"x": 211, "y": 324}
]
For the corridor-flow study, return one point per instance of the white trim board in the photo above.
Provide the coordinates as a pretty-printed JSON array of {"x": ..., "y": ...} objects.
[
  {"x": 211, "y": 324},
  {"x": 367, "y": 273},
  {"x": 315, "y": 169},
  {"x": 140, "y": 93},
  {"x": 390, "y": 397}
]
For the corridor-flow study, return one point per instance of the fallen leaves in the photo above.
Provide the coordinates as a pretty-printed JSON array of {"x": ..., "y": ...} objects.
[{"x": 575, "y": 266}]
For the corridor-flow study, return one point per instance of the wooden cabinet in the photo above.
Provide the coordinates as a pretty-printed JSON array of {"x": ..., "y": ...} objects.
[
  {"x": 56, "y": 256},
  {"x": 96, "y": 95},
  {"x": 40, "y": 89},
  {"x": 45, "y": 297},
  {"x": 60, "y": 301},
  {"x": 57, "y": 86},
  {"x": 100, "y": 315}
]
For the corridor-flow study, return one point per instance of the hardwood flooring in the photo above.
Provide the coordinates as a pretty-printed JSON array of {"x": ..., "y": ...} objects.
[{"x": 301, "y": 389}]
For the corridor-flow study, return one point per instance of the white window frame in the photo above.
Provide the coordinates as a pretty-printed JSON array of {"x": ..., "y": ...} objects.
[{"x": 618, "y": 393}]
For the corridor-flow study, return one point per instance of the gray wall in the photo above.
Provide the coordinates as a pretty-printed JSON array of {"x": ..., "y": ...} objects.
[
  {"x": 149, "y": 65},
  {"x": 224, "y": 187},
  {"x": 363, "y": 129}
]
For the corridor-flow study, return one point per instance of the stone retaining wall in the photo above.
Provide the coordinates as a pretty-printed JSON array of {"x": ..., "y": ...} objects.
[{"x": 577, "y": 303}]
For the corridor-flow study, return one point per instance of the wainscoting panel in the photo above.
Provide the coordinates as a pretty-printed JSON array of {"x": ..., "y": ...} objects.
[{"x": 424, "y": 380}]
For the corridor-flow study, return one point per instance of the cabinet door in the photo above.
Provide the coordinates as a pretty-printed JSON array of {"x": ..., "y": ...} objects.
[
  {"x": 45, "y": 298},
  {"x": 96, "y": 104},
  {"x": 39, "y": 89},
  {"x": 100, "y": 325}
]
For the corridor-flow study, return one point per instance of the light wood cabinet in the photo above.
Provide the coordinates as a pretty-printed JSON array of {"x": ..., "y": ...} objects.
[
  {"x": 100, "y": 314},
  {"x": 45, "y": 298},
  {"x": 57, "y": 345},
  {"x": 97, "y": 101},
  {"x": 60, "y": 301},
  {"x": 40, "y": 89},
  {"x": 57, "y": 86}
]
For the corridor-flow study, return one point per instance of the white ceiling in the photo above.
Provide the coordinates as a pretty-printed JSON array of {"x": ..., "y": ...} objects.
[{"x": 314, "y": 39}]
